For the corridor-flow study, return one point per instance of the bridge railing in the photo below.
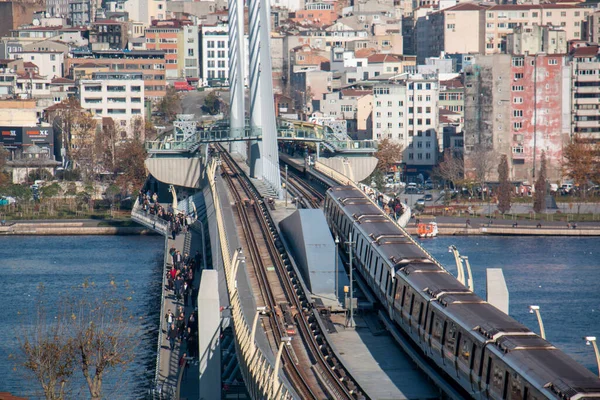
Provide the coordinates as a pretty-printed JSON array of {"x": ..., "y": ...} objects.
[
  {"x": 255, "y": 367},
  {"x": 148, "y": 220}
]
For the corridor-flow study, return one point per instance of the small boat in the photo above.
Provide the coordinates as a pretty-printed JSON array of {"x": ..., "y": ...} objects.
[{"x": 428, "y": 230}]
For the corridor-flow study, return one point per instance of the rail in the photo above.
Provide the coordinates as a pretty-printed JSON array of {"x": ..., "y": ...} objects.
[
  {"x": 255, "y": 367},
  {"x": 327, "y": 368},
  {"x": 344, "y": 180}
]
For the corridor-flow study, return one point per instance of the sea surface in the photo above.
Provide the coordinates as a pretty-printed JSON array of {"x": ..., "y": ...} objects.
[
  {"x": 61, "y": 262},
  {"x": 559, "y": 274}
]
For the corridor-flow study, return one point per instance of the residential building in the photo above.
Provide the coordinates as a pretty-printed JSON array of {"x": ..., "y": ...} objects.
[
  {"x": 50, "y": 63},
  {"x": 593, "y": 27},
  {"x": 57, "y": 8},
  {"x": 16, "y": 13},
  {"x": 180, "y": 41},
  {"x": 517, "y": 105},
  {"x": 308, "y": 88},
  {"x": 109, "y": 34},
  {"x": 483, "y": 29},
  {"x": 537, "y": 39},
  {"x": 146, "y": 11},
  {"x": 452, "y": 92},
  {"x": 151, "y": 63},
  {"x": 352, "y": 106},
  {"x": 81, "y": 12},
  {"x": 585, "y": 81},
  {"x": 214, "y": 45},
  {"x": 407, "y": 112},
  {"x": 116, "y": 95},
  {"x": 74, "y": 36}
]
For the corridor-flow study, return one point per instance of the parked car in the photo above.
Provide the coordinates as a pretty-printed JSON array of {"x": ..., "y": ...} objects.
[
  {"x": 428, "y": 197},
  {"x": 420, "y": 202},
  {"x": 6, "y": 200}
]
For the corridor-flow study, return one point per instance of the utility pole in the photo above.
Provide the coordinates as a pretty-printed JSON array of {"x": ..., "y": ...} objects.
[
  {"x": 350, "y": 243},
  {"x": 286, "y": 184}
]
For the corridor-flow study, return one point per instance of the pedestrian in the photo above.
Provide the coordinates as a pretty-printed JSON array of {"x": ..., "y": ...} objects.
[
  {"x": 178, "y": 287},
  {"x": 183, "y": 364},
  {"x": 198, "y": 259},
  {"x": 172, "y": 335},
  {"x": 180, "y": 324},
  {"x": 186, "y": 293},
  {"x": 170, "y": 317}
]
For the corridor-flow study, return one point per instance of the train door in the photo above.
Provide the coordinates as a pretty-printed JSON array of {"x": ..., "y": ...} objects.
[
  {"x": 437, "y": 334},
  {"x": 450, "y": 341}
]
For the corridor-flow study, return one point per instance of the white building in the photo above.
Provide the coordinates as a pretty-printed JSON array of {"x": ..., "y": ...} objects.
[
  {"x": 214, "y": 70},
  {"x": 407, "y": 113},
  {"x": 145, "y": 11},
  {"x": 117, "y": 95},
  {"x": 290, "y": 5},
  {"x": 50, "y": 63}
]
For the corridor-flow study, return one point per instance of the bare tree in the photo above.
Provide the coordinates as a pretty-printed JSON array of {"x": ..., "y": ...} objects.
[
  {"x": 580, "y": 162},
  {"x": 83, "y": 150},
  {"x": 103, "y": 334},
  {"x": 483, "y": 162},
  {"x": 48, "y": 354},
  {"x": 131, "y": 156},
  {"x": 451, "y": 169},
  {"x": 388, "y": 154}
]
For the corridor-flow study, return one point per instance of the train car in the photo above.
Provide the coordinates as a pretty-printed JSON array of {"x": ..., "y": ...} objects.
[{"x": 484, "y": 351}]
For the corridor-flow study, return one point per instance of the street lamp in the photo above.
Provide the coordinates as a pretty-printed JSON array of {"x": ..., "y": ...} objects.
[
  {"x": 470, "y": 278},
  {"x": 591, "y": 340},
  {"x": 536, "y": 310},
  {"x": 337, "y": 242}
]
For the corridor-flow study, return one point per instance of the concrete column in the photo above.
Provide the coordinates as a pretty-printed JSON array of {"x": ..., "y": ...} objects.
[
  {"x": 236, "y": 74},
  {"x": 264, "y": 156},
  {"x": 209, "y": 331}
]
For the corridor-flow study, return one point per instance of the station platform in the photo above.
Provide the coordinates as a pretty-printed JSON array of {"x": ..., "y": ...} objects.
[{"x": 375, "y": 360}]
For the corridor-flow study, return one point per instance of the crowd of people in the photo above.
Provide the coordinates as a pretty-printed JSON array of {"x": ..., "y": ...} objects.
[
  {"x": 392, "y": 207},
  {"x": 177, "y": 221},
  {"x": 180, "y": 279}
]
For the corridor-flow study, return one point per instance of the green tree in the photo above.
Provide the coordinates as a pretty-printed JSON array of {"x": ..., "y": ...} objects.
[
  {"x": 49, "y": 191},
  {"x": 539, "y": 197},
  {"x": 19, "y": 192},
  {"x": 4, "y": 154},
  {"x": 170, "y": 105},
  {"x": 505, "y": 188},
  {"x": 212, "y": 103}
]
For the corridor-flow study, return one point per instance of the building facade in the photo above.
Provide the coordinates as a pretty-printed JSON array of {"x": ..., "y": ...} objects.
[
  {"x": 180, "y": 42},
  {"x": 585, "y": 85},
  {"x": 116, "y": 95}
]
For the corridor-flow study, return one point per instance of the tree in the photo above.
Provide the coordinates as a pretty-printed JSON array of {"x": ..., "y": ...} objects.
[
  {"x": 505, "y": 188},
  {"x": 451, "y": 169},
  {"x": 388, "y": 154},
  {"x": 539, "y": 197},
  {"x": 103, "y": 335},
  {"x": 132, "y": 171},
  {"x": 482, "y": 163},
  {"x": 212, "y": 103},
  {"x": 106, "y": 146},
  {"x": 4, "y": 178},
  {"x": 170, "y": 105},
  {"x": 83, "y": 151},
  {"x": 580, "y": 162},
  {"x": 48, "y": 354}
]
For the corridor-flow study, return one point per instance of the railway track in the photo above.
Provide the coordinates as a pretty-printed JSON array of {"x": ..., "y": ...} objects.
[
  {"x": 302, "y": 191},
  {"x": 309, "y": 363}
]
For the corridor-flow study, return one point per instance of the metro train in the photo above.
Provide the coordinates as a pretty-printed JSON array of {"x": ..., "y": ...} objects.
[{"x": 484, "y": 351}]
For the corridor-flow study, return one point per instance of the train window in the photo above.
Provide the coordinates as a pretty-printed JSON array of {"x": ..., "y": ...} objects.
[
  {"x": 380, "y": 273},
  {"x": 451, "y": 337},
  {"x": 515, "y": 391},
  {"x": 387, "y": 282},
  {"x": 398, "y": 293},
  {"x": 412, "y": 303},
  {"x": 420, "y": 313},
  {"x": 406, "y": 303},
  {"x": 394, "y": 288},
  {"x": 497, "y": 379},
  {"x": 465, "y": 351},
  {"x": 436, "y": 333}
]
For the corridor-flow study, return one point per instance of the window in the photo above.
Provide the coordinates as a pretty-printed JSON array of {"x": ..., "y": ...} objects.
[
  {"x": 517, "y": 88},
  {"x": 517, "y": 61},
  {"x": 553, "y": 61},
  {"x": 210, "y": 44},
  {"x": 548, "y": 13},
  {"x": 39, "y": 86},
  {"x": 419, "y": 156},
  {"x": 451, "y": 26},
  {"x": 563, "y": 13},
  {"x": 519, "y": 75},
  {"x": 427, "y": 145},
  {"x": 136, "y": 88},
  {"x": 517, "y": 149},
  {"x": 517, "y": 125},
  {"x": 518, "y": 100},
  {"x": 419, "y": 145}
]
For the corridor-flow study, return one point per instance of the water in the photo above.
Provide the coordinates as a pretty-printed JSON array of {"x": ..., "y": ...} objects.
[
  {"x": 61, "y": 262},
  {"x": 560, "y": 274}
]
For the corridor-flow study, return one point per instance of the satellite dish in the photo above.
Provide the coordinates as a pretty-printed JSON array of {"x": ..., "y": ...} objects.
[{"x": 36, "y": 22}]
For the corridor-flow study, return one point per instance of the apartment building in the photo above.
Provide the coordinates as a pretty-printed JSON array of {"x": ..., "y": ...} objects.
[
  {"x": 179, "y": 40},
  {"x": 117, "y": 95},
  {"x": 150, "y": 63},
  {"x": 471, "y": 28},
  {"x": 593, "y": 27},
  {"x": 518, "y": 105},
  {"x": 50, "y": 63},
  {"x": 585, "y": 81},
  {"x": 214, "y": 42},
  {"x": 352, "y": 106},
  {"x": 81, "y": 12},
  {"x": 407, "y": 112},
  {"x": 111, "y": 33}
]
